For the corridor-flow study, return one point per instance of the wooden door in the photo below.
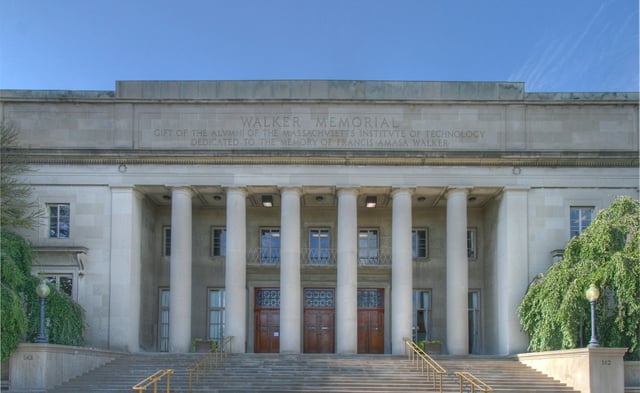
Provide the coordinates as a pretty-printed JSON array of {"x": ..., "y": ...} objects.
[
  {"x": 267, "y": 321},
  {"x": 319, "y": 320},
  {"x": 319, "y": 331},
  {"x": 370, "y": 321}
]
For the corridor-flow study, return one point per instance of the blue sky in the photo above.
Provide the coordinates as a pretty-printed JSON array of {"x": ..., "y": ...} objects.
[{"x": 551, "y": 45}]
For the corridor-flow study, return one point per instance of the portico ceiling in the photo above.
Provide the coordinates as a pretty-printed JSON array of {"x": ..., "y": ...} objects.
[{"x": 318, "y": 196}]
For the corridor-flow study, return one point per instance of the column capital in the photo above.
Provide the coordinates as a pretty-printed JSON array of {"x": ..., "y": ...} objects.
[
  {"x": 397, "y": 190},
  {"x": 296, "y": 189},
  {"x": 457, "y": 189},
  {"x": 347, "y": 190},
  {"x": 236, "y": 189},
  {"x": 183, "y": 188}
]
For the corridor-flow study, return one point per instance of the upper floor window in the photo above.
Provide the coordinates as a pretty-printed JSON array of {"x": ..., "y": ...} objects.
[
  {"x": 166, "y": 241},
  {"x": 319, "y": 246},
  {"x": 368, "y": 246},
  {"x": 580, "y": 218},
  {"x": 419, "y": 243},
  {"x": 59, "y": 220},
  {"x": 218, "y": 242},
  {"x": 270, "y": 245},
  {"x": 472, "y": 243}
]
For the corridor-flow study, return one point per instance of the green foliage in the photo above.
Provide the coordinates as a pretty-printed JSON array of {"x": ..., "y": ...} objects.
[
  {"x": 17, "y": 208},
  {"x": 555, "y": 312},
  {"x": 64, "y": 318},
  {"x": 15, "y": 261},
  {"x": 20, "y": 318}
]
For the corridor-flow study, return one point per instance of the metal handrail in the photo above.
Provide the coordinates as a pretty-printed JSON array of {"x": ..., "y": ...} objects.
[
  {"x": 474, "y": 381},
  {"x": 153, "y": 379},
  {"x": 207, "y": 361},
  {"x": 421, "y": 358}
]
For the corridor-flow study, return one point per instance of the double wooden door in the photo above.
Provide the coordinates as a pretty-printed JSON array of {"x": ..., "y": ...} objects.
[
  {"x": 319, "y": 320},
  {"x": 267, "y": 321},
  {"x": 371, "y": 320}
]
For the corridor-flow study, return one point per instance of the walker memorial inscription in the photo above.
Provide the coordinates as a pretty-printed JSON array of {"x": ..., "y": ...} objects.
[{"x": 340, "y": 132}]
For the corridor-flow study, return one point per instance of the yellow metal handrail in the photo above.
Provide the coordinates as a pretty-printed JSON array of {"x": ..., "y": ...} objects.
[
  {"x": 474, "y": 381},
  {"x": 421, "y": 358},
  {"x": 207, "y": 361},
  {"x": 153, "y": 379}
]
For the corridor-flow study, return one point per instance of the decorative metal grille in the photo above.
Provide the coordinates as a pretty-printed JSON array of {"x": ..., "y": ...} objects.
[
  {"x": 370, "y": 298},
  {"x": 268, "y": 298},
  {"x": 319, "y": 298}
]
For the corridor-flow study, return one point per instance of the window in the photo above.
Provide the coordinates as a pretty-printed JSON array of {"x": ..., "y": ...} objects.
[
  {"x": 319, "y": 246},
  {"x": 218, "y": 242},
  {"x": 419, "y": 243},
  {"x": 166, "y": 241},
  {"x": 421, "y": 315},
  {"x": 216, "y": 314},
  {"x": 62, "y": 282},
  {"x": 581, "y": 217},
  {"x": 59, "y": 220},
  {"x": 270, "y": 245},
  {"x": 368, "y": 246},
  {"x": 163, "y": 330},
  {"x": 472, "y": 243}
]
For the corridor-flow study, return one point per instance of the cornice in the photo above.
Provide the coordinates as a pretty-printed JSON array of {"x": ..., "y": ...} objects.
[{"x": 339, "y": 158}]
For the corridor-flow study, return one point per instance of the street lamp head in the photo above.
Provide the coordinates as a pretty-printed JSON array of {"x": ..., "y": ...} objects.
[
  {"x": 43, "y": 289},
  {"x": 592, "y": 293}
]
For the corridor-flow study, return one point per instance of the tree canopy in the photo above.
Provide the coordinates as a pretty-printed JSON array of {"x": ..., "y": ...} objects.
[{"x": 555, "y": 312}]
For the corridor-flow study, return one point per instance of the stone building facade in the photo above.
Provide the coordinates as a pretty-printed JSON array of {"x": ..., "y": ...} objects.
[{"x": 314, "y": 216}]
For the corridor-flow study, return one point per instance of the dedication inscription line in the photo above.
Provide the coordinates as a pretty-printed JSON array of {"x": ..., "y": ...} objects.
[{"x": 306, "y": 132}]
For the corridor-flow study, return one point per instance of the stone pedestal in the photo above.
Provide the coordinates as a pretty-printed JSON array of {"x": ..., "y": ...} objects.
[{"x": 589, "y": 370}]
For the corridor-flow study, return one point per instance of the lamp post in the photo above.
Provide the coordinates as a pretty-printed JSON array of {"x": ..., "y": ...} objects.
[
  {"x": 592, "y": 296},
  {"x": 43, "y": 291}
]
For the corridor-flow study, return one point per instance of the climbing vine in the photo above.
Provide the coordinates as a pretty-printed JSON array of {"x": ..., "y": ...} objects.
[{"x": 555, "y": 312}]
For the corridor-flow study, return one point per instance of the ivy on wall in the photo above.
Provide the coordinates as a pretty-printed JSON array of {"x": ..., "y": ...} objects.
[{"x": 555, "y": 312}]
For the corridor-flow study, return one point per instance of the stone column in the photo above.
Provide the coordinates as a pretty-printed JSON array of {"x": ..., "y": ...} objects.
[
  {"x": 347, "y": 280},
  {"x": 236, "y": 269},
  {"x": 125, "y": 271},
  {"x": 290, "y": 292},
  {"x": 457, "y": 273},
  {"x": 401, "y": 270},
  {"x": 180, "y": 280},
  {"x": 512, "y": 268}
]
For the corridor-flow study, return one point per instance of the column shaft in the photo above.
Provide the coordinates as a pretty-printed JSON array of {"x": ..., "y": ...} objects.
[
  {"x": 180, "y": 280},
  {"x": 290, "y": 292},
  {"x": 235, "y": 269},
  {"x": 457, "y": 273},
  {"x": 401, "y": 271},
  {"x": 347, "y": 276}
]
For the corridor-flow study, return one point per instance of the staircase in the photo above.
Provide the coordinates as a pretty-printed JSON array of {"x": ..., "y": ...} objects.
[{"x": 308, "y": 373}]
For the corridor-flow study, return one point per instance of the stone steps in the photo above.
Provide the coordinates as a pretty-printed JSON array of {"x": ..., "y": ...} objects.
[{"x": 308, "y": 373}]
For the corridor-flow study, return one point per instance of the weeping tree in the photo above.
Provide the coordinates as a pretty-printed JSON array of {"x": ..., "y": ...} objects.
[
  {"x": 19, "y": 304},
  {"x": 555, "y": 312}
]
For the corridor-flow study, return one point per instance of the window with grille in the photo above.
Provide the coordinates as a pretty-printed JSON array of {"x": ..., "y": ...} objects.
[
  {"x": 421, "y": 315},
  {"x": 59, "y": 220},
  {"x": 216, "y": 314},
  {"x": 270, "y": 245},
  {"x": 218, "y": 242},
  {"x": 472, "y": 243},
  {"x": 166, "y": 241},
  {"x": 580, "y": 218},
  {"x": 419, "y": 243},
  {"x": 368, "y": 247},
  {"x": 163, "y": 323},
  {"x": 319, "y": 243}
]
